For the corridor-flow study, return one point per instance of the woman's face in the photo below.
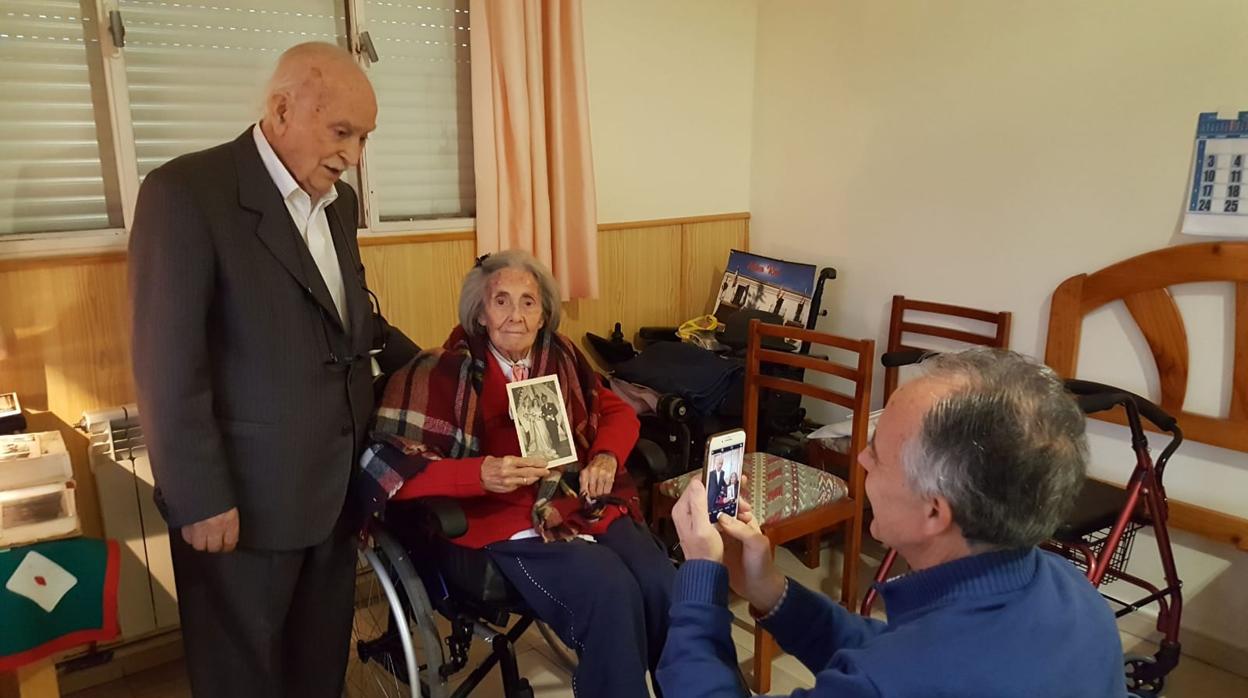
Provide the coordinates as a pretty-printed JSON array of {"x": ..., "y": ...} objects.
[{"x": 513, "y": 311}]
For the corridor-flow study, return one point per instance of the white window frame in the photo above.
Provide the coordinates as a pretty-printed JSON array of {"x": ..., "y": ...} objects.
[{"x": 106, "y": 240}]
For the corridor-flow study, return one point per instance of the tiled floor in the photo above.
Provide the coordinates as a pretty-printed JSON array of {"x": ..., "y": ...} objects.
[{"x": 1192, "y": 678}]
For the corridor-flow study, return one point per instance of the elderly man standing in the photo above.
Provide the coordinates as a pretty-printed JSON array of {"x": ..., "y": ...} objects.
[
  {"x": 252, "y": 336},
  {"x": 969, "y": 469}
]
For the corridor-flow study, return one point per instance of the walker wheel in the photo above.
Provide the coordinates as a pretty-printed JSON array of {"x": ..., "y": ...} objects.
[{"x": 1141, "y": 679}]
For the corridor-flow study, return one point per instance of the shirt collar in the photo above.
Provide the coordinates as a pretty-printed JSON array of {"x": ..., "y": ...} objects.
[
  {"x": 281, "y": 176},
  {"x": 506, "y": 364}
]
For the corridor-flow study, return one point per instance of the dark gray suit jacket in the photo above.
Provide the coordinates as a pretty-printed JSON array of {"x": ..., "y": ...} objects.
[{"x": 251, "y": 392}]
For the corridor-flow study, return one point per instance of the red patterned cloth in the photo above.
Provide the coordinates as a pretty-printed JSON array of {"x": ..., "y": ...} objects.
[
  {"x": 776, "y": 488},
  {"x": 447, "y": 409}
]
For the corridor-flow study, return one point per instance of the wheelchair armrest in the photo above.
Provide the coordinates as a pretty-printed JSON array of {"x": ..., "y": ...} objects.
[{"x": 444, "y": 515}]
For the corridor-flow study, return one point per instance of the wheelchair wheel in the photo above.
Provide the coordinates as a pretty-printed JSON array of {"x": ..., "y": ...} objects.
[
  {"x": 379, "y": 666},
  {"x": 393, "y": 623}
]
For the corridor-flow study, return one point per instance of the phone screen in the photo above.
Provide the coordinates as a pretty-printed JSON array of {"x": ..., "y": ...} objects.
[{"x": 723, "y": 477}]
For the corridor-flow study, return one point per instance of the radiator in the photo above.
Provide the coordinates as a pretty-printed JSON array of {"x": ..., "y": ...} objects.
[{"x": 147, "y": 601}]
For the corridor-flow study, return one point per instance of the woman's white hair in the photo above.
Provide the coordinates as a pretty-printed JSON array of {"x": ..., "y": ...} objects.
[{"x": 472, "y": 292}]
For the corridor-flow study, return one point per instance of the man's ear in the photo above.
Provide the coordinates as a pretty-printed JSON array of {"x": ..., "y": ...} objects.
[
  {"x": 939, "y": 518},
  {"x": 279, "y": 108}
]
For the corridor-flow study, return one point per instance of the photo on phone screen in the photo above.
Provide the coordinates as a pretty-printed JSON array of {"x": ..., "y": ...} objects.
[{"x": 725, "y": 454}]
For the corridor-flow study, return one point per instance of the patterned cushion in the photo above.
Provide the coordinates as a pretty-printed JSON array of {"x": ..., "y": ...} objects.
[{"x": 777, "y": 488}]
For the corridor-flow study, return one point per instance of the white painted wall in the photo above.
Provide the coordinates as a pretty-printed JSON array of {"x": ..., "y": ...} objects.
[
  {"x": 670, "y": 100},
  {"x": 979, "y": 152}
]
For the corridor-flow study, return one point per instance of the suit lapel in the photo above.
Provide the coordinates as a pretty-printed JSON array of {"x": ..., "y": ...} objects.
[{"x": 258, "y": 193}]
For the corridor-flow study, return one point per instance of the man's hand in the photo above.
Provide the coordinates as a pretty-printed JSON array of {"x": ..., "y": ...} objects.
[
  {"x": 748, "y": 556},
  {"x": 598, "y": 477},
  {"x": 216, "y": 534},
  {"x": 698, "y": 537},
  {"x": 506, "y": 474}
]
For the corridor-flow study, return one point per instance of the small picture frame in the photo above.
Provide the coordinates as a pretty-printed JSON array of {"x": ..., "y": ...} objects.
[
  {"x": 536, "y": 406},
  {"x": 9, "y": 406}
]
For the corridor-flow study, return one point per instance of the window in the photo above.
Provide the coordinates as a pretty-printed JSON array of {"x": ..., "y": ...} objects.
[
  {"x": 195, "y": 72},
  {"x": 420, "y": 159},
  {"x": 93, "y": 119},
  {"x": 53, "y": 125}
]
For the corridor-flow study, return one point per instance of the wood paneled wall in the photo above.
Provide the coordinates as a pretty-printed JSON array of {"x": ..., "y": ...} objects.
[{"x": 65, "y": 321}]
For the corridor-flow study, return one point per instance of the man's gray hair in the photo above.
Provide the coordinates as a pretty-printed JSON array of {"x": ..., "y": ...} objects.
[
  {"x": 1007, "y": 448},
  {"x": 472, "y": 293}
]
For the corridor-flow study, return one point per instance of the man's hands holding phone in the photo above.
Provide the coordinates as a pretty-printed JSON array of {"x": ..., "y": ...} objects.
[{"x": 737, "y": 543}]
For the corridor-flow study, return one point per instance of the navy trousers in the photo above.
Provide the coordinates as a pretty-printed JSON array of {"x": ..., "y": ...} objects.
[{"x": 607, "y": 600}]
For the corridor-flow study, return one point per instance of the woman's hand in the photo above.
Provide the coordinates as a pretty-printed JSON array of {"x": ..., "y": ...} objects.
[
  {"x": 506, "y": 474},
  {"x": 598, "y": 477}
]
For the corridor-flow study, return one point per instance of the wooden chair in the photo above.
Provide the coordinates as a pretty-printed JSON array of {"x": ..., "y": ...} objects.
[
  {"x": 899, "y": 326},
  {"x": 1143, "y": 284},
  {"x": 847, "y": 511},
  {"x": 793, "y": 500}
]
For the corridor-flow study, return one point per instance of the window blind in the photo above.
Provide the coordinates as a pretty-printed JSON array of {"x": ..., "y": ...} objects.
[
  {"x": 420, "y": 157},
  {"x": 196, "y": 71},
  {"x": 51, "y": 176}
]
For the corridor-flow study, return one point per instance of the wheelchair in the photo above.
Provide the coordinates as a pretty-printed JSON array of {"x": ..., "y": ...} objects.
[
  {"x": 679, "y": 429},
  {"x": 413, "y": 582}
]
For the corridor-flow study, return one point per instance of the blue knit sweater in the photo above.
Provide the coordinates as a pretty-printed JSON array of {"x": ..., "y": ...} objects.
[{"x": 1012, "y": 623}]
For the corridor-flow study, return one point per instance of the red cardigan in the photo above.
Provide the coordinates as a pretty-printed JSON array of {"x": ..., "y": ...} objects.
[{"x": 494, "y": 517}]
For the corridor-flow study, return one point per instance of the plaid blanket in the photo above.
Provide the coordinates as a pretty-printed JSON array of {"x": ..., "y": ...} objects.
[{"x": 429, "y": 412}]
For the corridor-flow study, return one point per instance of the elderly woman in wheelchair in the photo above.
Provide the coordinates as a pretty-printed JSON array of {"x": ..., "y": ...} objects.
[{"x": 571, "y": 543}]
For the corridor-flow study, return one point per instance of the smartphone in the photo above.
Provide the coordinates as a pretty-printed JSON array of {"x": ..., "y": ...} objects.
[{"x": 725, "y": 453}]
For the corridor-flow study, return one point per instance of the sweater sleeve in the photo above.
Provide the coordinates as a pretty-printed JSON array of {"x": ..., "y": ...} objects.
[
  {"x": 813, "y": 628},
  {"x": 448, "y": 477},
  {"x": 700, "y": 659},
  {"x": 618, "y": 428}
]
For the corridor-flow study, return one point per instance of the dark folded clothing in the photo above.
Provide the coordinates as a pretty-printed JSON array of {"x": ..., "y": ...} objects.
[{"x": 701, "y": 377}]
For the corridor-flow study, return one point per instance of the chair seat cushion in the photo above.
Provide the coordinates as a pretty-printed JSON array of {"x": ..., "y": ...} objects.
[{"x": 776, "y": 488}]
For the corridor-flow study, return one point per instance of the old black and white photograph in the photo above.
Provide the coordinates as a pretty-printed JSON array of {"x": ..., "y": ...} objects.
[{"x": 541, "y": 420}]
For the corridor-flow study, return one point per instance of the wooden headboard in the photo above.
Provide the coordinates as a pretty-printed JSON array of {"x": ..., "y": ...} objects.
[{"x": 1142, "y": 283}]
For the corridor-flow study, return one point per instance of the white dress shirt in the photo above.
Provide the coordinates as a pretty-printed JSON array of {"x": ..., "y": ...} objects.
[{"x": 310, "y": 220}]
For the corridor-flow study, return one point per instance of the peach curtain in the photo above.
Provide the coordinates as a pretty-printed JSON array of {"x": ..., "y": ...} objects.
[{"x": 530, "y": 129}]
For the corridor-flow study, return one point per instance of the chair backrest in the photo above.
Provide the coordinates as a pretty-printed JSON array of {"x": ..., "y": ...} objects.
[
  {"x": 859, "y": 376},
  {"x": 898, "y": 326},
  {"x": 1143, "y": 284}
]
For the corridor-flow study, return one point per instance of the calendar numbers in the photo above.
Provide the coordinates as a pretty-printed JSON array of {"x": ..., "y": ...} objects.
[{"x": 1216, "y": 183}]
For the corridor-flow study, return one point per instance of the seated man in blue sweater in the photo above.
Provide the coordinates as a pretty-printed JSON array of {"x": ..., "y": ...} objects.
[{"x": 971, "y": 466}]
